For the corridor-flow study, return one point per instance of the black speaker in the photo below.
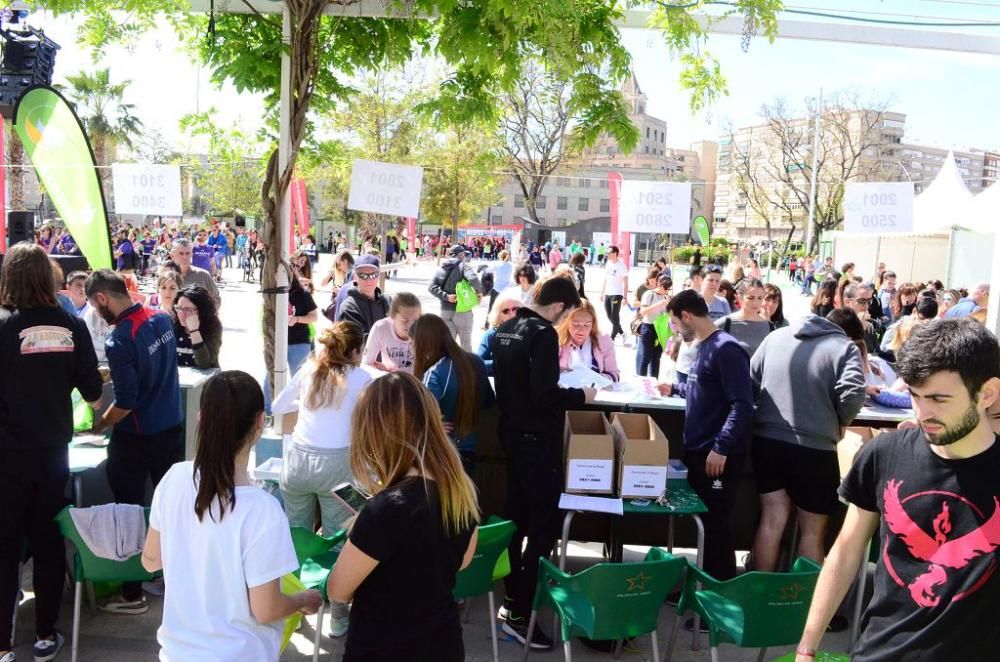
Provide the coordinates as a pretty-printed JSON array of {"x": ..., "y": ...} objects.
[
  {"x": 71, "y": 263},
  {"x": 20, "y": 227}
]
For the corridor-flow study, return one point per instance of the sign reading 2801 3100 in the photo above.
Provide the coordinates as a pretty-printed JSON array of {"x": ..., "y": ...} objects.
[
  {"x": 385, "y": 188},
  {"x": 878, "y": 207},
  {"x": 659, "y": 207}
]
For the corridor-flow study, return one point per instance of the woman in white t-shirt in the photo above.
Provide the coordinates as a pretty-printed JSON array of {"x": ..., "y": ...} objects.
[
  {"x": 389, "y": 346},
  {"x": 223, "y": 545}
]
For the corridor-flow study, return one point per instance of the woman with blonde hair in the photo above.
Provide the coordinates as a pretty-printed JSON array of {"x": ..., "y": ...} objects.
[
  {"x": 412, "y": 537},
  {"x": 581, "y": 345},
  {"x": 503, "y": 309}
]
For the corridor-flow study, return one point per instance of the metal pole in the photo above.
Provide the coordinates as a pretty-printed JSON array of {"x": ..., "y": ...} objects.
[
  {"x": 812, "y": 184},
  {"x": 284, "y": 220}
]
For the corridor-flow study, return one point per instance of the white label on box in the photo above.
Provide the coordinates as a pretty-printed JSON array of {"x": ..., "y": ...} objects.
[
  {"x": 661, "y": 207},
  {"x": 385, "y": 188},
  {"x": 592, "y": 475},
  {"x": 642, "y": 480},
  {"x": 878, "y": 207}
]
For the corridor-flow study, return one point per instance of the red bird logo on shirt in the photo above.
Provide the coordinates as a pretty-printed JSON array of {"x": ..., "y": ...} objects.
[{"x": 939, "y": 552}]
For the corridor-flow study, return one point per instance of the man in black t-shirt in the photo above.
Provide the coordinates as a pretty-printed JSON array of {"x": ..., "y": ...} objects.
[
  {"x": 532, "y": 412},
  {"x": 933, "y": 496}
]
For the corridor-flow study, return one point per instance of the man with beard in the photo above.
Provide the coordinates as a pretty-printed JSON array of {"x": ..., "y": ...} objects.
[
  {"x": 148, "y": 436},
  {"x": 932, "y": 494},
  {"x": 718, "y": 415}
]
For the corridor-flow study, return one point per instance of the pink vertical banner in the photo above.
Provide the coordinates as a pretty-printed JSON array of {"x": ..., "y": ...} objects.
[
  {"x": 300, "y": 205},
  {"x": 622, "y": 240},
  {"x": 3, "y": 191},
  {"x": 411, "y": 234}
]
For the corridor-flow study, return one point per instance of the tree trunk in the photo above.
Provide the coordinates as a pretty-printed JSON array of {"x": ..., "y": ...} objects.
[{"x": 16, "y": 174}]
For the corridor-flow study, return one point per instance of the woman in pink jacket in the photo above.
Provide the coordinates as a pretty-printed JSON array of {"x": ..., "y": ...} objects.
[{"x": 581, "y": 345}]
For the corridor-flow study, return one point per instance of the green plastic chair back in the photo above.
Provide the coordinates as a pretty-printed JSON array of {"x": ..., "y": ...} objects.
[
  {"x": 316, "y": 555},
  {"x": 90, "y": 568},
  {"x": 491, "y": 548},
  {"x": 610, "y": 600},
  {"x": 756, "y": 609}
]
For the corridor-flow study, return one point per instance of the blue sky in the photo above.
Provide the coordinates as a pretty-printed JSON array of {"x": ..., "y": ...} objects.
[{"x": 951, "y": 99}]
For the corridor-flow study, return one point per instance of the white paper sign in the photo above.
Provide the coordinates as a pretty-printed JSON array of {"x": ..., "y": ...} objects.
[
  {"x": 878, "y": 207},
  {"x": 150, "y": 190},
  {"x": 643, "y": 481},
  {"x": 661, "y": 207},
  {"x": 559, "y": 237},
  {"x": 385, "y": 188},
  {"x": 590, "y": 475},
  {"x": 591, "y": 504}
]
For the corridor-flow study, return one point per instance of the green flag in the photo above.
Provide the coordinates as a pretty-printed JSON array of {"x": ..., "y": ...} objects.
[
  {"x": 701, "y": 230},
  {"x": 58, "y": 148}
]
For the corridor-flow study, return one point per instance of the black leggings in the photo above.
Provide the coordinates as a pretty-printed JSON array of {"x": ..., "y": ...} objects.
[{"x": 32, "y": 492}]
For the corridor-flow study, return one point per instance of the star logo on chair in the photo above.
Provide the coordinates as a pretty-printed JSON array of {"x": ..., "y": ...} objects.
[
  {"x": 637, "y": 583},
  {"x": 792, "y": 591}
]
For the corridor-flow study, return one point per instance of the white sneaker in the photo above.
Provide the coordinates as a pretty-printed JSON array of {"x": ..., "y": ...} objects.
[
  {"x": 9, "y": 657},
  {"x": 47, "y": 649}
]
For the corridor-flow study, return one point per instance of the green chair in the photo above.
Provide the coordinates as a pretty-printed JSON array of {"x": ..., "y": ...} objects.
[
  {"x": 90, "y": 568},
  {"x": 316, "y": 555},
  {"x": 754, "y": 610},
  {"x": 608, "y": 600},
  {"x": 487, "y": 568}
]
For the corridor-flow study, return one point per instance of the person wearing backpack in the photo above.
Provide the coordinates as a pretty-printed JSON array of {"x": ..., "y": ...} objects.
[{"x": 447, "y": 287}]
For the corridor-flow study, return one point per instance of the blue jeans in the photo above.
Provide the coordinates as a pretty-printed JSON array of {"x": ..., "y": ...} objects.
[
  {"x": 648, "y": 353},
  {"x": 297, "y": 355}
]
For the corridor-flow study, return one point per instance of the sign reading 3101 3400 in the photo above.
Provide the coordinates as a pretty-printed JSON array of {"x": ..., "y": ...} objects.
[
  {"x": 660, "y": 207},
  {"x": 385, "y": 188},
  {"x": 878, "y": 207}
]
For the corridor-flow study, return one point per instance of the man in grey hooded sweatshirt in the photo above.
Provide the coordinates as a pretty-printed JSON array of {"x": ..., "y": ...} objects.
[{"x": 812, "y": 384}]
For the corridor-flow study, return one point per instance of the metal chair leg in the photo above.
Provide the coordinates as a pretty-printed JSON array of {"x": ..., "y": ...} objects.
[
  {"x": 493, "y": 628},
  {"x": 467, "y": 612},
  {"x": 77, "y": 600},
  {"x": 762, "y": 654},
  {"x": 568, "y": 650},
  {"x": 530, "y": 633},
  {"x": 715, "y": 654},
  {"x": 859, "y": 598},
  {"x": 656, "y": 646},
  {"x": 673, "y": 636},
  {"x": 319, "y": 631}
]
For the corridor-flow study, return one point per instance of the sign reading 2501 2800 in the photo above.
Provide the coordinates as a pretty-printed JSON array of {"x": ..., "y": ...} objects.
[
  {"x": 385, "y": 188},
  {"x": 661, "y": 207}
]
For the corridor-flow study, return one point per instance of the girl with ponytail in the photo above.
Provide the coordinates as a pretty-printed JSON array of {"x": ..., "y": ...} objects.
[
  {"x": 223, "y": 545},
  {"x": 413, "y": 536}
]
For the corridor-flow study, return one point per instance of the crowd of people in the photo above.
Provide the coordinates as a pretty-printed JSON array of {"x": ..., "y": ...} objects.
[{"x": 388, "y": 397}]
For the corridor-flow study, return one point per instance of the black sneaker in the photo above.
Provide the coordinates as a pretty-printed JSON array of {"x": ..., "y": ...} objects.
[
  {"x": 518, "y": 629},
  {"x": 503, "y": 613},
  {"x": 702, "y": 626},
  {"x": 47, "y": 649}
]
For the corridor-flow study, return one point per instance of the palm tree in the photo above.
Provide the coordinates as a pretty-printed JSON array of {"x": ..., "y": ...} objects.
[{"x": 109, "y": 121}]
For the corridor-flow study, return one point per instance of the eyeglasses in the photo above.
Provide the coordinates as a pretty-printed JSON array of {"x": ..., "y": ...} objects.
[
  {"x": 508, "y": 311},
  {"x": 186, "y": 309},
  {"x": 864, "y": 300},
  {"x": 366, "y": 276}
]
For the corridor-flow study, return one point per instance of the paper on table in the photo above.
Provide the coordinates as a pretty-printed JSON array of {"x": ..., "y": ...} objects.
[
  {"x": 90, "y": 439},
  {"x": 591, "y": 504},
  {"x": 580, "y": 378}
]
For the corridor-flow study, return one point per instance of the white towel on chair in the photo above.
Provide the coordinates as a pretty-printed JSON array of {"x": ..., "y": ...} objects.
[{"x": 115, "y": 531}]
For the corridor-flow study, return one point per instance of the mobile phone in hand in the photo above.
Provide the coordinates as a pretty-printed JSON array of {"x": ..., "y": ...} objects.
[{"x": 350, "y": 496}]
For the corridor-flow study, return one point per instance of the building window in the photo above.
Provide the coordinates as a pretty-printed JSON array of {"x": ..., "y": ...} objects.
[
  {"x": 647, "y": 149},
  {"x": 585, "y": 183},
  {"x": 654, "y": 135},
  {"x": 663, "y": 137},
  {"x": 562, "y": 181},
  {"x": 497, "y": 219},
  {"x": 681, "y": 158},
  {"x": 604, "y": 183},
  {"x": 518, "y": 201},
  {"x": 605, "y": 205},
  {"x": 647, "y": 133},
  {"x": 562, "y": 202},
  {"x": 584, "y": 204},
  {"x": 540, "y": 203}
]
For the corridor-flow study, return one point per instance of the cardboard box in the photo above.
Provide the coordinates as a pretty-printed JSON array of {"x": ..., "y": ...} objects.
[
  {"x": 590, "y": 453},
  {"x": 285, "y": 423},
  {"x": 643, "y": 456},
  {"x": 848, "y": 448}
]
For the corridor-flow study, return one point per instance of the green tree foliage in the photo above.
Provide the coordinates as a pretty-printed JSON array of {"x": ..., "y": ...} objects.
[
  {"x": 229, "y": 177},
  {"x": 460, "y": 176}
]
